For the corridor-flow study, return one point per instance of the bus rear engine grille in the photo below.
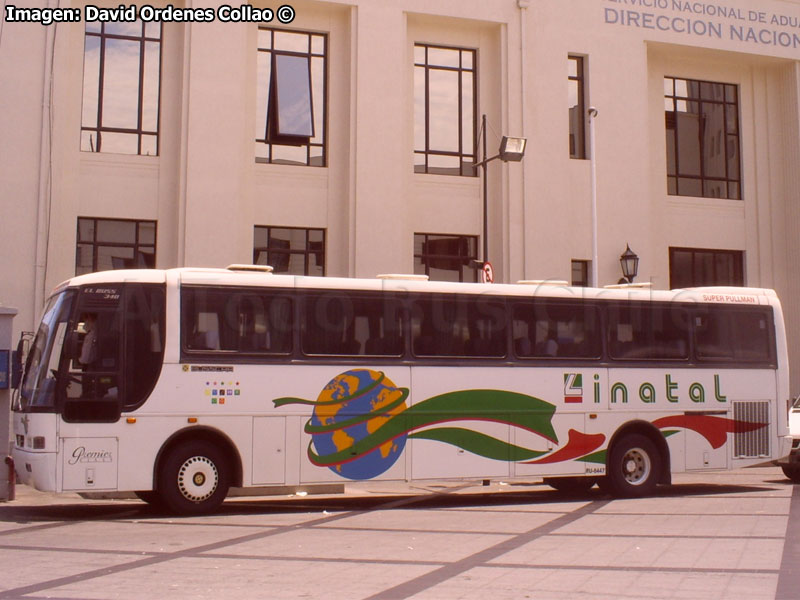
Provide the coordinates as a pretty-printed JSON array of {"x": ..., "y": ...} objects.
[{"x": 755, "y": 443}]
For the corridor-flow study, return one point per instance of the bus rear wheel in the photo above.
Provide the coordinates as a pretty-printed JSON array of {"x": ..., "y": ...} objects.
[
  {"x": 193, "y": 478},
  {"x": 633, "y": 467}
]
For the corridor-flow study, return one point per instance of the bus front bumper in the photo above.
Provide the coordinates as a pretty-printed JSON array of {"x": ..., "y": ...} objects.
[{"x": 36, "y": 469}]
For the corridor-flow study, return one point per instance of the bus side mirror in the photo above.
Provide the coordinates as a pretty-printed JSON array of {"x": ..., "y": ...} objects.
[
  {"x": 16, "y": 368},
  {"x": 16, "y": 362}
]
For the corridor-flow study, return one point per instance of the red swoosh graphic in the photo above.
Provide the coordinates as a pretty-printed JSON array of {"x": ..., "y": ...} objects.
[
  {"x": 714, "y": 429},
  {"x": 578, "y": 444}
]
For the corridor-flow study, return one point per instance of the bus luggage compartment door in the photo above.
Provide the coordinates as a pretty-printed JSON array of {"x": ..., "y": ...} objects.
[
  {"x": 269, "y": 458},
  {"x": 89, "y": 464}
]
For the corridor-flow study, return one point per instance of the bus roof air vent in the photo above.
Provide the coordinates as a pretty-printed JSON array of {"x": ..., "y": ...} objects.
[
  {"x": 560, "y": 282},
  {"x": 250, "y": 268},
  {"x": 403, "y": 276},
  {"x": 629, "y": 286}
]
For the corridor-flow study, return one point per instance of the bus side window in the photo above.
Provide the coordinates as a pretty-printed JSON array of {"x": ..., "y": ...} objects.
[
  {"x": 196, "y": 316},
  {"x": 734, "y": 334},
  {"x": 436, "y": 331},
  {"x": 381, "y": 330},
  {"x": 236, "y": 321},
  {"x": 144, "y": 341},
  {"x": 712, "y": 333},
  {"x": 87, "y": 327},
  {"x": 252, "y": 325},
  {"x": 351, "y": 324},
  {"x": 753, "y": 339},
  {"x": 448, "y": 326},
  {"x": 264, "y": 324},
  {"x": 279, "y": 321},
  {"x": 648, "y": 332},
  {"x": 550, "y": 329},
  {"x": 205, "y": 335},
  {"x": 328, "y": 326},
  {"x": 100, "y": 344},
  {"x": 523, "y": 330}
]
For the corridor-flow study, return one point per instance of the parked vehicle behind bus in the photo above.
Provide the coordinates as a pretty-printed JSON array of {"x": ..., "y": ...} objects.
[
  {"x": 791, "y": 466},
  {"x": 183, "y": 385}
]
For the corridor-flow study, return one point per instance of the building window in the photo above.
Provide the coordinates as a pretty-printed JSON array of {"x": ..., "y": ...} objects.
[
  {"x": 576, "y": 100},
  {"x": 446, "y": 257},
  {"x": 105, "y": 244},
  {"x": 291, "y": 250},
  {"x": 445, "y": 96},
  {"x": 694, "y": 267},
  {"x": 121, "y": 87},
  {"x": 291, "y": 97},
  {"x": 702, "y": 124},
  {"x": 580, "y": 273}
]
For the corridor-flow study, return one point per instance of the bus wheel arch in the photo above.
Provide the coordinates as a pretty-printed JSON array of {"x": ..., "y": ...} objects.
[
  {"x": 204, "y": 451},
  {"x": 641, "y": 441}
]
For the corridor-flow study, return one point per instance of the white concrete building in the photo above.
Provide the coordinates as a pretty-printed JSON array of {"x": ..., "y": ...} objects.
[{"x": 131, "y": 144}]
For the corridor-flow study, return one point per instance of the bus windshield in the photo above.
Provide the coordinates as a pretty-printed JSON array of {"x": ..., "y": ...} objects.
[{"x": 39, "y": 384}]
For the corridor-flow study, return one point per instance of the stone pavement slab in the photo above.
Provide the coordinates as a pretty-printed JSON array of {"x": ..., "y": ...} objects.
[{"x": 724, "y": 535}]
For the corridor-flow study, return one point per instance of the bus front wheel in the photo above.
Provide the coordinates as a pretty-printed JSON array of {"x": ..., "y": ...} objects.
[
  {"x": 633, "y": 467},
  {"x": 193, "y": 478}
]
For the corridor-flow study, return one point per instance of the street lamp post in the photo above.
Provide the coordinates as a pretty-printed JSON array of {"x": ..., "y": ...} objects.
[
  {"x": 512, "y": 149},
  {"x": 592, "y": 112}
]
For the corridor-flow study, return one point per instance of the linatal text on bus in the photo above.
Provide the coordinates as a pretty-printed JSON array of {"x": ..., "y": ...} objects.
[{"x": 671, "y": 391}]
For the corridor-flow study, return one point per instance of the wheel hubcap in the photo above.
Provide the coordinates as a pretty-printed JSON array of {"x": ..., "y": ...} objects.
[
  {"x": 197, "y": 478},
  {"x": 636, "y": 466}
]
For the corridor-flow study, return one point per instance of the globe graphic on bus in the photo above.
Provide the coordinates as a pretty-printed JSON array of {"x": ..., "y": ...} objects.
[{"x": 351, "y": 407}]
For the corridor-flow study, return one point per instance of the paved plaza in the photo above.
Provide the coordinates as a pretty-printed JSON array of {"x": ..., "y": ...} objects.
[{"x": 711, "y": 535}]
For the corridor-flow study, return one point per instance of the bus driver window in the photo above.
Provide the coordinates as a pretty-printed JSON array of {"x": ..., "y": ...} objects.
[{"x": 89, "y": 344}]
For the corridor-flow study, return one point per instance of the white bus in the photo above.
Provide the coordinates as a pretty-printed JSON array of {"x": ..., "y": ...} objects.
[{"x": 183, "y": 385}]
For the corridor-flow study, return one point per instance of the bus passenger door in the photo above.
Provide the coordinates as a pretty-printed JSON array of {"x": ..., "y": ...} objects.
[{"x": 91, "y": 389}]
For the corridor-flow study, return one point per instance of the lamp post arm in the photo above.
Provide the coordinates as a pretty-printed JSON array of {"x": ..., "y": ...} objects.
[{"x": 485, "y": 160}]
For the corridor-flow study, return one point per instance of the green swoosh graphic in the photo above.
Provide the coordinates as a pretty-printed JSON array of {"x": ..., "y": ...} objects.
[
  {"x": 291, "y": 400},
  {"x": 516, "y": 409},
  {"x": 478, "y": 443},
  {"x": 501, "y": 406}
]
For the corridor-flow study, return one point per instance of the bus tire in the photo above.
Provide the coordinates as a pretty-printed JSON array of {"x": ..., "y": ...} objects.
[
  {"x": 571, "y": 485},
  {"x": 194, "y": 478},
  {"x": 792, "y": 472},
  {"x": 633, "y": 467}
]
